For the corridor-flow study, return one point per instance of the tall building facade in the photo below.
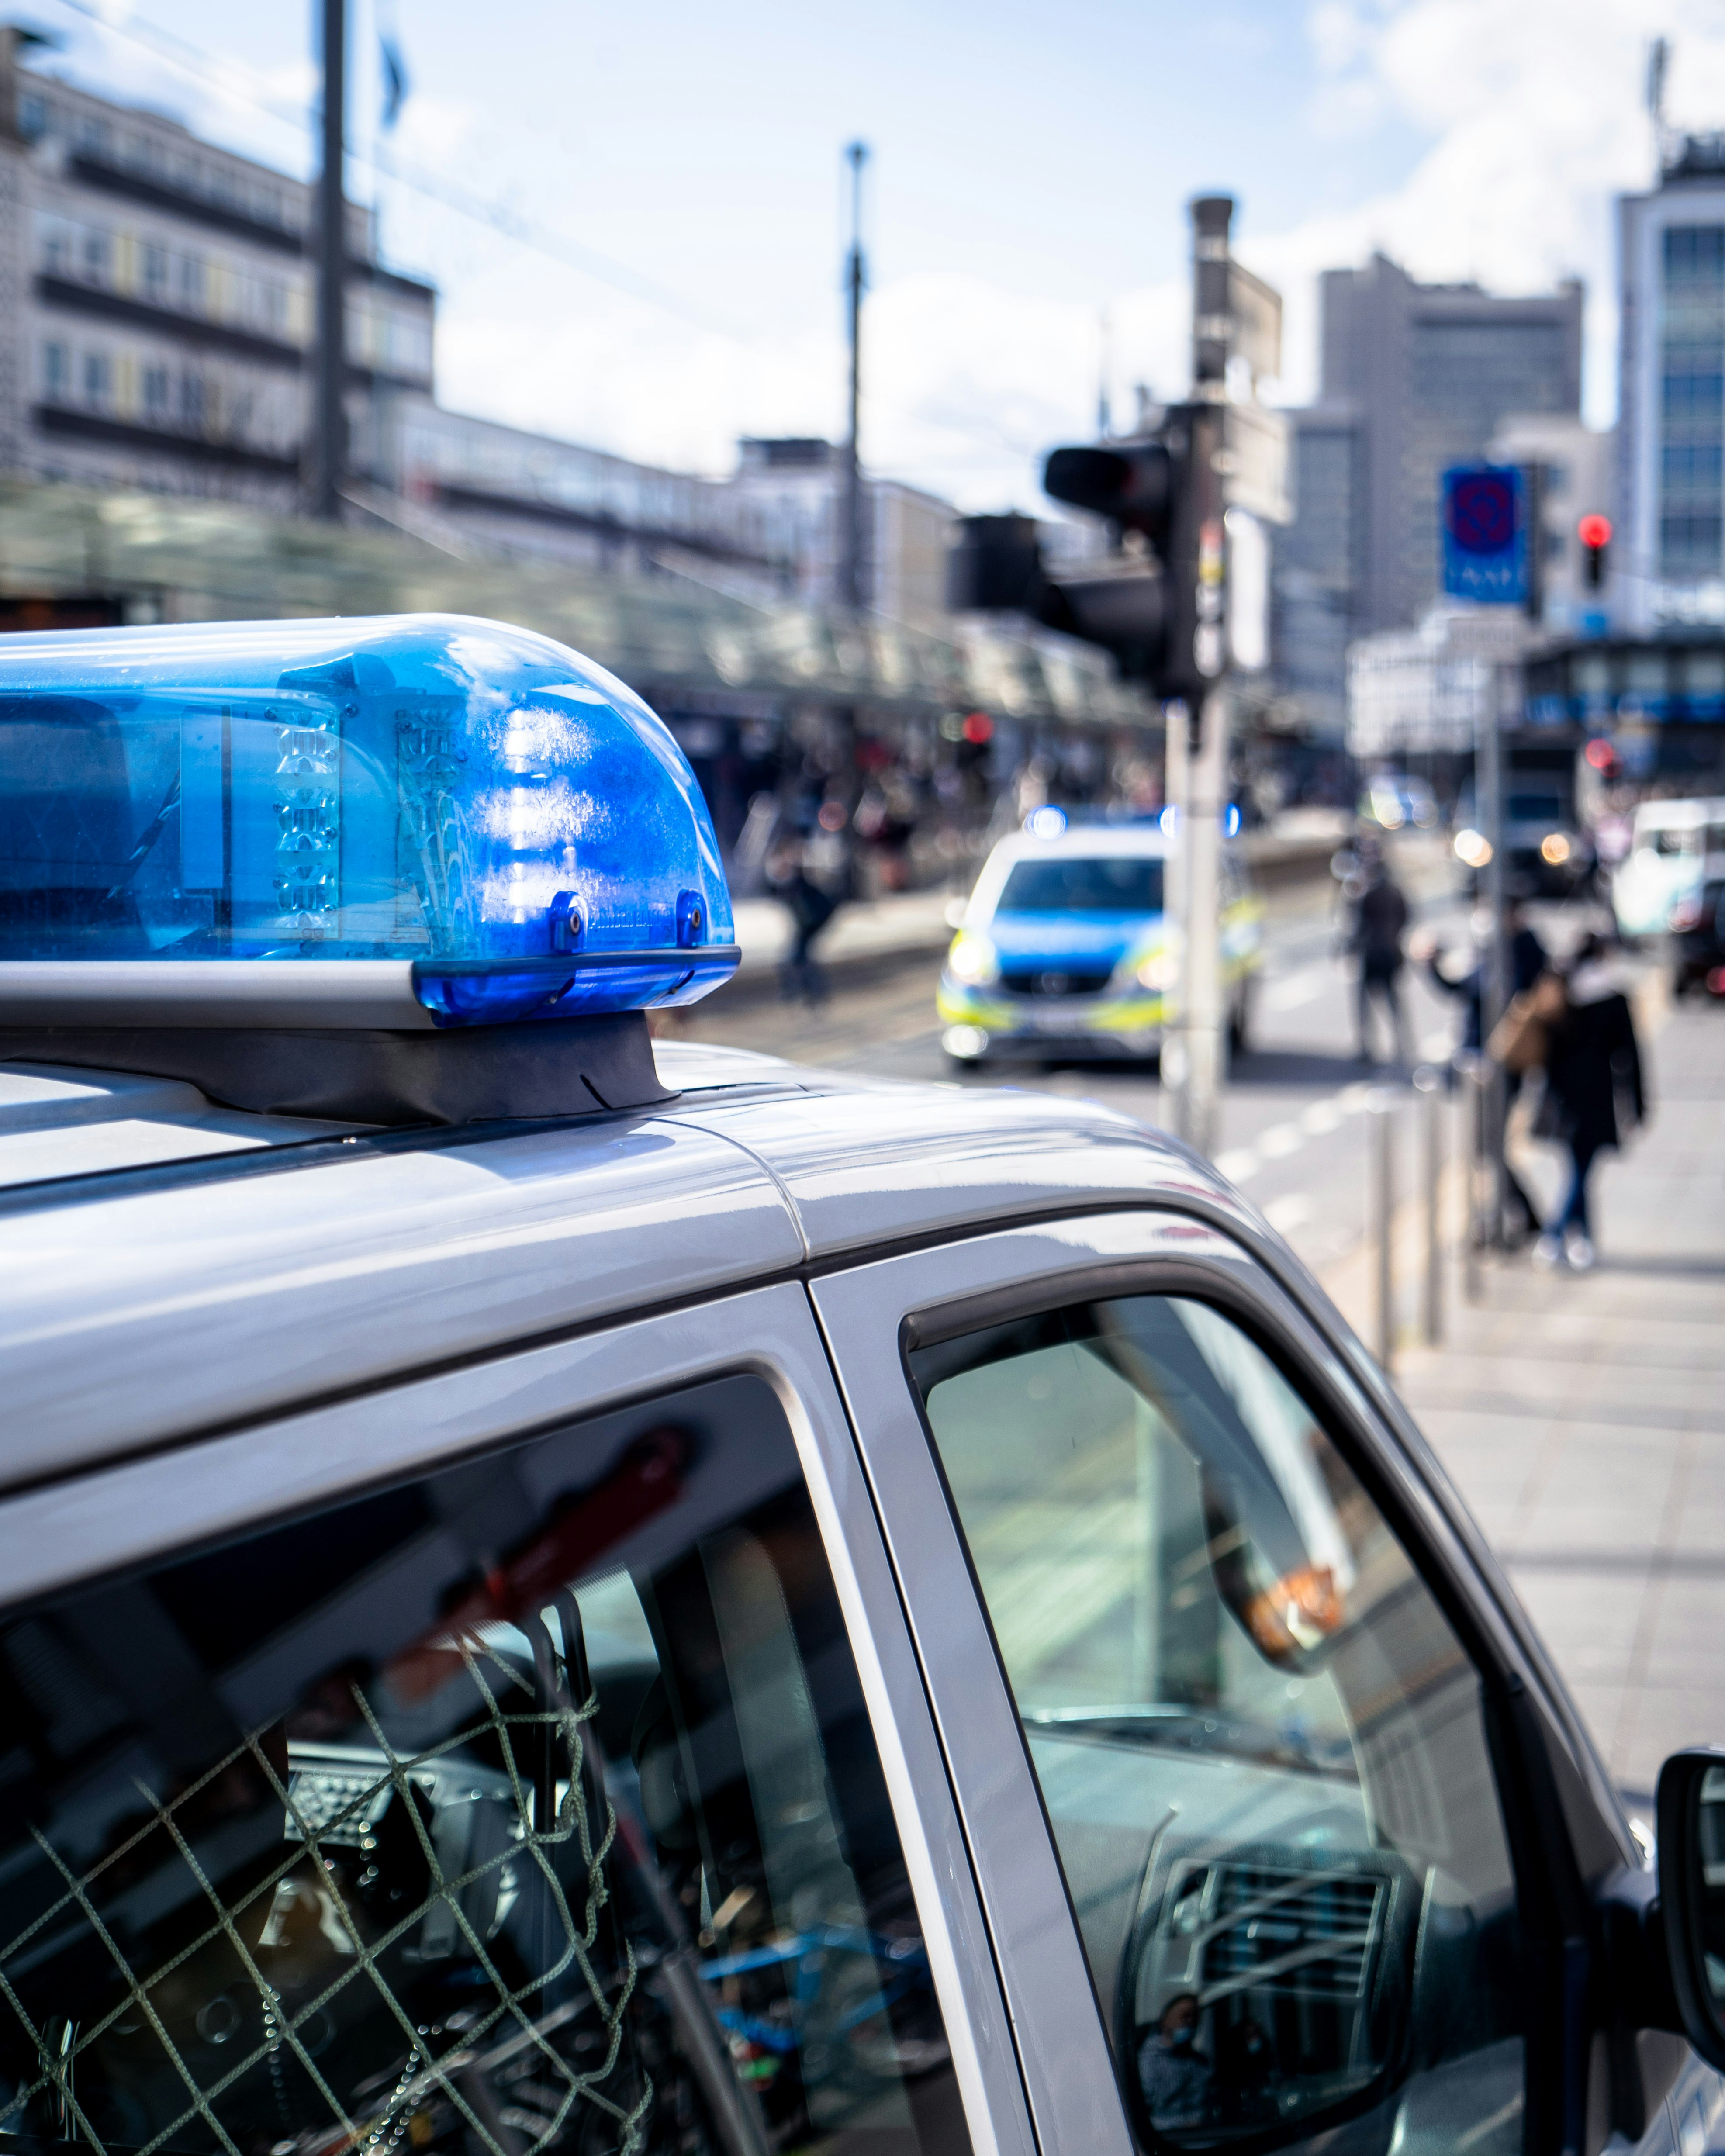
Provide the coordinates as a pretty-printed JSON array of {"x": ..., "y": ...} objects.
[
  {"x": 156, "y": 311},
  {"x": 798, "y": 481},
  {"x": 1671, "y": 407},
  {"x": 1429, "y": 371},
  {"x": 1316, "y": 568}
]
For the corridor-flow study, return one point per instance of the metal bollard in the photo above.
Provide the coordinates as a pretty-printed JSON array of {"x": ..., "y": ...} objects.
[
  {"x": 1470, "y": 1068},
  {"x": 1428, "y": 1081},
  {"x": 1384, "y": 1205}
]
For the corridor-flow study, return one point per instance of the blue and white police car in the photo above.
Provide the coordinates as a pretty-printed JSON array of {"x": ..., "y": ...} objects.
[
  {"x": 1066, "y": 948},
  {"x": 561, "y": 1594}
]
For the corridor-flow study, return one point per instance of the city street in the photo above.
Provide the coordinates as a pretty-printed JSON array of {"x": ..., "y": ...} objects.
[
  {"x": 1579, "y": 1418},
  {"x": 1294, "y": 1132}
]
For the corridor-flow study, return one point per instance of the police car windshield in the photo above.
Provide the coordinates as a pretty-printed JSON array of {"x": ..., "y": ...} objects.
[
  {"x": 1535, "y": 808},
  {"x": 1080, "y": 882}
]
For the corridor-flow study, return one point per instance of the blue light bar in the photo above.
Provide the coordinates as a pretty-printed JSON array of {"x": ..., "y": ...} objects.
[{"x": 412, "y": 820}]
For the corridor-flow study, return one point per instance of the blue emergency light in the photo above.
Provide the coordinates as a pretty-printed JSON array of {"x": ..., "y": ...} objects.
[{"x": 410, "y": 821}]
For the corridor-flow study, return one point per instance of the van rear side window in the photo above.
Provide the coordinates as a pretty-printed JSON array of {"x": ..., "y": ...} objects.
[{"x": 531, "y": 1807}]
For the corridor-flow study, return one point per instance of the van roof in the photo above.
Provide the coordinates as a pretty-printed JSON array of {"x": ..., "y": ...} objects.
[
  {"x": 181, "y": 1269},
  {"x": 1680, "y": 815}
]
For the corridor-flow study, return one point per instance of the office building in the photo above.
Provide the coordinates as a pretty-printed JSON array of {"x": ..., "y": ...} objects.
[
  {"x": 159, "y": 328},
  {"x": 157, "y": 332},
  {"x": 1428, "y": 372},
  {"x": 1315, "y": 568},
  {"x": 1671, "y": 409},
  {"x": 1570, "y": 472},
  {"x": 798, "y": 481}
]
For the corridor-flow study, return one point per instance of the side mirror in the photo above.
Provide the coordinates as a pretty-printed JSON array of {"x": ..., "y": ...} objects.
[{"x": 1691, "y": 1893}]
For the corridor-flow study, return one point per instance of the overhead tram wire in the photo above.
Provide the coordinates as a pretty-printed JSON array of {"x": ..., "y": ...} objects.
[{"x": 206, "y": 67}]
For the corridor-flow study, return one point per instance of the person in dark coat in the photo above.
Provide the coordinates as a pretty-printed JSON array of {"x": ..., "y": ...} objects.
[
  {"x": 1528, "y": 959},
  {"x": 1380, "y": 920},
  {"x": 1594, "y": 1087},
  {"x": 810, "y": 909}
]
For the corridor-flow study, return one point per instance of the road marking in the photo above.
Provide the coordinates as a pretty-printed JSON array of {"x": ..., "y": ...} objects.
[
  {"x": 1292, "y": 990},
  {"x": 1241, "y": 1163},
  {"x": 1292, "y": 1210}
]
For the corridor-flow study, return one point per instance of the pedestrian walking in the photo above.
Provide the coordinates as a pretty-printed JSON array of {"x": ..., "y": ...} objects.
[
  {"x": 1594, "y": 1092},
  {"x": 810, "y": 909},
  {"x": 1380, "y": 920},
  {"x": 1528, "y": 959}
]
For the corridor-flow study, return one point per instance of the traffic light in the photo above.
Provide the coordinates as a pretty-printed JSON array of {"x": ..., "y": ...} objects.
[
  {"x": 1134, "y": 485},
  {"x": 1156, "y": 602},
  {"x": 997, "y": 564},
  {"x": 1594, "y": 533}
]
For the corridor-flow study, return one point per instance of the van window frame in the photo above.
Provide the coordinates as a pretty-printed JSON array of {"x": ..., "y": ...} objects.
[
  {"x": 396, "y": 1433},
  {"x": 1540, "y": 1823}
]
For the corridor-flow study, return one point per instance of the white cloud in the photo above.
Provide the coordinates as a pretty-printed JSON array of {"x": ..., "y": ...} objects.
[
  {"x": 1532, "y": 120},
  {"x": 1527, "y": 113}
]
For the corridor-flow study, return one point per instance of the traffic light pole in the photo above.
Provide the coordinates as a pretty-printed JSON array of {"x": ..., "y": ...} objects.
[
  {"x": 1199, "y": 1041},
  {"x": 1194, "y": 1051}
]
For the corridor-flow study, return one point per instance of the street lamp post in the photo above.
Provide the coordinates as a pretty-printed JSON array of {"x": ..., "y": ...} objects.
[
  {"x": 330, "y": 418},
  {"x": 851, "y": 551}
]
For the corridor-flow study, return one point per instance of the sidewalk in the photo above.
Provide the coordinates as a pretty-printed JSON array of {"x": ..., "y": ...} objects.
[{"x": 1583, "y": 1420}]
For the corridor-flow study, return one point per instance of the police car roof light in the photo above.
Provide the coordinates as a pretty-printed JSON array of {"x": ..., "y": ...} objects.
[{"x": 406, "y": 821}]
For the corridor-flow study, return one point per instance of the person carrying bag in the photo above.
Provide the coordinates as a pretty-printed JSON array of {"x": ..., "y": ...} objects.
[{"x": 1520, "y": 1039}]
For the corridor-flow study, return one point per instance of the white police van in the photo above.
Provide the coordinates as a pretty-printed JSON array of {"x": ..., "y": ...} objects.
[{"x": 561, "y": 1599}]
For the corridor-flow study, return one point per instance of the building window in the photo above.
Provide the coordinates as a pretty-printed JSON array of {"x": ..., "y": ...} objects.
[
  {"x": 56, "y": 249},
  {"x": 192, "y": 281},
  {"x": 155, "y": 392},
  {"x": 95, "y": 256},
  {"x": 1692, "y": 467},
  {"x": 98, "y": 377},
  {"x": 1694, "y": 255},
  {"x": 32, "y": 116},
  {"x": 56, "y": 372},
  {"x": 156, "y": 275},
  {"x": 1689, "y": 541},
  {"x": 93, "y": 138},
  {"x": 1693, "y": 395},
  {"x": 194, "y": 400}
]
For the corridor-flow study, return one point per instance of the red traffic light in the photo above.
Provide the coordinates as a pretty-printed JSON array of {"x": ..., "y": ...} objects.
[
  {"x": 1594, "y": 531},
  {"x": 1601, "y": 755},
  {"x": 979, "y": 728}
]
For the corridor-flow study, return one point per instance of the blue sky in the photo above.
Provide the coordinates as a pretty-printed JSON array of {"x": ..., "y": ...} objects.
[{"x": 1031, "y": 163}]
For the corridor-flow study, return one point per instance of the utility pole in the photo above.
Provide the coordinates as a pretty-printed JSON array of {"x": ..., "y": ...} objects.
[
  {"x": 851, "y": 551},
  {"x": 1195, "y": 1048},
  {"x": 330, "y": 417}
]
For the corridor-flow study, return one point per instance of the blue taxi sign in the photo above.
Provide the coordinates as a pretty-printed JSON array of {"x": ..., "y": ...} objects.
[
  {"x": 1485, "y": 534},
  {"x": 410, "y": 819}
]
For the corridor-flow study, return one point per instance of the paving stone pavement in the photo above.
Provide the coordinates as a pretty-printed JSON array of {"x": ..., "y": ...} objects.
[{"x": 1584, "y": 1419}]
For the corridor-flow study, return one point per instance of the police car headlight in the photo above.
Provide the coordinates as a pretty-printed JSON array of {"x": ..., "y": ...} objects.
[
  {"x": 1473, "y": 849},
  {"x": 973, "y": 961},
  {"x": 1554, "y": 849},
  {"x": 462, "y": 822},
  {"x": 1158, "y": 971}
]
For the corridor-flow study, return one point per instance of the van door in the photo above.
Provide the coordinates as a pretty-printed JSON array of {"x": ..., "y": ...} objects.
[
  {"x": 1267, "y": 1890},
  {"x": 530, "y": 1759}
]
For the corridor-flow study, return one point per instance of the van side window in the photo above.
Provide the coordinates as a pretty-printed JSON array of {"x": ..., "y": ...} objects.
[
  {"x": 1261, "y": 1745},
  {"x": 532, "y": 1807}
]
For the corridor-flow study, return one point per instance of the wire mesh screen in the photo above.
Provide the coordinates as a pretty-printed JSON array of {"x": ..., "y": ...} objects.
[
  {"x": 533, "y": 1808},
  {"x": 252, "y": 2057}
]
